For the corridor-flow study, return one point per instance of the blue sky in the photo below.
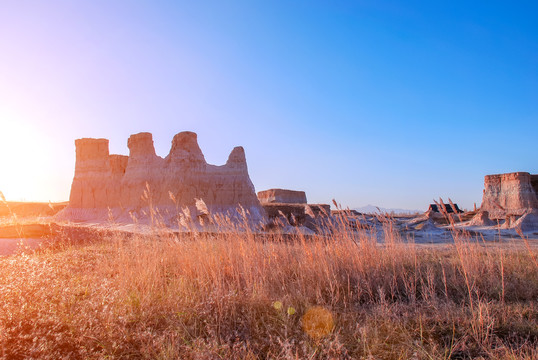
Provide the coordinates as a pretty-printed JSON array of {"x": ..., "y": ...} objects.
[{"x": 368, "y": 102}]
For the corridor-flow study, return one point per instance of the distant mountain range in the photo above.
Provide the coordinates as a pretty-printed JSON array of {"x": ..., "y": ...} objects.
[{"x": 377, "y": 209}]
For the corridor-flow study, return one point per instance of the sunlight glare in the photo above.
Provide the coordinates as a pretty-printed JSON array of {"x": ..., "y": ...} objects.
[{"x": 24, "y": 155}]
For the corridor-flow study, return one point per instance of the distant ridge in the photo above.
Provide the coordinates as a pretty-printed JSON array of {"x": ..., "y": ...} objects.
[{"x": 376, "y": 209}]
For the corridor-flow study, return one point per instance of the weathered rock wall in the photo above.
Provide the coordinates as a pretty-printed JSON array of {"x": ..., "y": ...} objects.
[
  {"x": 94, "y": 185},
  {"x": 534, "y": 183},
  {"x": 114, "y": 184},
  {"x": 511, "y": 193}
]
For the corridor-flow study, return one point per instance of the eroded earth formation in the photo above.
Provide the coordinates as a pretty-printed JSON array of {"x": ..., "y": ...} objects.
[
  {"x": 124, "y": 187},
  {"x": 282, "y": 196},
  {"x": 511, "y": 194}
]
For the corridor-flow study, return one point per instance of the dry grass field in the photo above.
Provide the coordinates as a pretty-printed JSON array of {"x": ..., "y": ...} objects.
[{"x": 229, "y": 296}]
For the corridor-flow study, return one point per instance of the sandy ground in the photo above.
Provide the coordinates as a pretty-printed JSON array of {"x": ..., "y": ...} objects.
[{"x": 414, "y": 229}]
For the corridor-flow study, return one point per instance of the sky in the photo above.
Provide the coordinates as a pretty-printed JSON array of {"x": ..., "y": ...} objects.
[{"x": 392, "y": 103}]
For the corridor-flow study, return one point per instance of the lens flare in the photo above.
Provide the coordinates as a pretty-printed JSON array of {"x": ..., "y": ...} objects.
[{"x": 317, "y": 322}]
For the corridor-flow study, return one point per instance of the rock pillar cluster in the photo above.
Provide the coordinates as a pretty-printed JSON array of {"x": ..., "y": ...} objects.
[{"x": 121, "y": 185}]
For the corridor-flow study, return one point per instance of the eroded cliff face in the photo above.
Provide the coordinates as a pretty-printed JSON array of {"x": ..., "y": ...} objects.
[
  {"x": 115, "y": 185},
  {"x": 511, "y": 193},
  {"x": 97, "y": 174}
]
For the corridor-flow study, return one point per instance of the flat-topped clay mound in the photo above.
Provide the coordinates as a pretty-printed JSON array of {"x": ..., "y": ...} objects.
[{"x": 282, "y": 196}]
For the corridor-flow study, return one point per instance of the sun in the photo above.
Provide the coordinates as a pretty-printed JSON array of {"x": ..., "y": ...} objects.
[{"x": 22, "y": 158}]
